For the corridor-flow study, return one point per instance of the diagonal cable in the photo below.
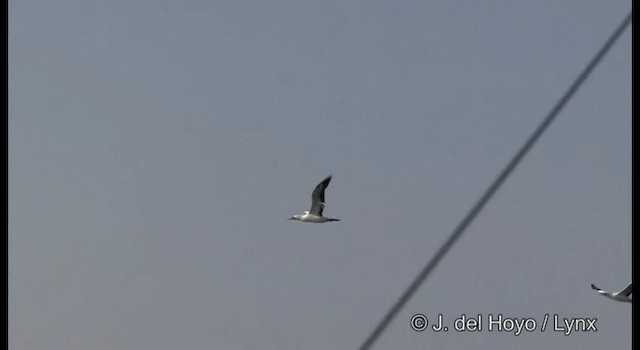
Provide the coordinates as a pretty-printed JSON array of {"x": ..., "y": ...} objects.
[{"x": 486, "y": 196}]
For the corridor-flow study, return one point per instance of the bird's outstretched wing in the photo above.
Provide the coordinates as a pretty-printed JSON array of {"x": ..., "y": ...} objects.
[
  {"x": 627, "y": 291},
  {"x": 317, "y": 197}
]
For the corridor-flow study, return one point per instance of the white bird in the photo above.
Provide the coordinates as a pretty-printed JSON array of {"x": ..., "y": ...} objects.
[
  {"x": 317, "y": 205},
  {"x": 623, "y": 295}
]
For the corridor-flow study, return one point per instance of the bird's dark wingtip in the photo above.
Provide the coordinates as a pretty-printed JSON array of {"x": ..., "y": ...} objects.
[{"x": 594, "y": 287}]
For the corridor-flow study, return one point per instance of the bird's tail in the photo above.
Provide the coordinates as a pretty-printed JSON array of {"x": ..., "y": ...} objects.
[{"x": 334, "y": 219}]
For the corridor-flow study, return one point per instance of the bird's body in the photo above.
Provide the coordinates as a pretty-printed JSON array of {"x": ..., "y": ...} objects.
[
  {"x": 313, "y": 218},
  {"x": 317, "y": 205},
  {"x": 623, "y": 295}
]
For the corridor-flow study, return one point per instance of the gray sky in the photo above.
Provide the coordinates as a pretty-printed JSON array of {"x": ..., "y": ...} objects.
[{"x": 157, "y": 147}]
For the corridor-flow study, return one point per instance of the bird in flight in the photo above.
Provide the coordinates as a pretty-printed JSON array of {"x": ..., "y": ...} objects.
[
  {"x": 317, "y": 205},
  {"x": 623, "y": 295}
]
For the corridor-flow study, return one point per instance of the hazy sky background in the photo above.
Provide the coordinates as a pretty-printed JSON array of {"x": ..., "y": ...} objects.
[{"x": 157, "y": 147}]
